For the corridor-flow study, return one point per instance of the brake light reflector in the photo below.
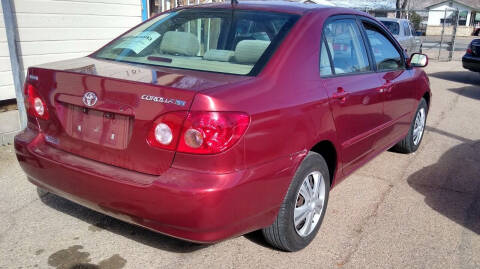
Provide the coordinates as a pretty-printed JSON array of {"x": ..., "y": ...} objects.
[
  {"x": 198, "y": 132},
  {"x": 212, "y": 132},
  {"x": 35, "y": 105},
  {"x": 193, "y": 138},
  {"x": 163, "y": 134}
]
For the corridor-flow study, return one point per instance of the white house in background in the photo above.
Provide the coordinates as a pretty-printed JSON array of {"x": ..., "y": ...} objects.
[{"x": 469, "y": 12}]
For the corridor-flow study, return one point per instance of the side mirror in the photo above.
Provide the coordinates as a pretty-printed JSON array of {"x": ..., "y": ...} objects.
[{"x": 418, "y": 60}]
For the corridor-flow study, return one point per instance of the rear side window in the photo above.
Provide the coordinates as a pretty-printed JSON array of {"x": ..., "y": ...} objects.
[
  {"x": 325, "y": 65},
  {"x": 385, "y": 54},
  {"x": 346, "y": 47}
]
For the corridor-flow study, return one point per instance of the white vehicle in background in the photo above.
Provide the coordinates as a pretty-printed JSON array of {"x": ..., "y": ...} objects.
[{"x": 404, "y": 32}]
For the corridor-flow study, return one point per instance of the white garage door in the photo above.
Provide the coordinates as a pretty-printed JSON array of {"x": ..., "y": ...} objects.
[
  {"x": 6, "y": 80},
  {"x": 54, "y": 30}
]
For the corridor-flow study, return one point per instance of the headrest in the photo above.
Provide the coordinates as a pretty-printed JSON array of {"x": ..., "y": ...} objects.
[
  {"x": 249, "y": 51},
  {"x": 180, "y": 43},
  {"x": 219, "y": 55}
]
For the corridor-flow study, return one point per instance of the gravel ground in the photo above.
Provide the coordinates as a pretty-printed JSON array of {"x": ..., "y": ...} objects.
[{"x": 416, "y": 211}]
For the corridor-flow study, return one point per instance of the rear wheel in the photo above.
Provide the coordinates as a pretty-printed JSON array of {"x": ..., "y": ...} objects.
[
  {"x": 303, "y": 208},
  {"x": 412, "y": 141}
]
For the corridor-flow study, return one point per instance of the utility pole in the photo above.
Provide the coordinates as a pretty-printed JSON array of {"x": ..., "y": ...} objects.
[
  {"x": 454, "y": 34},
  {"x": 17, "y": 68},
  {"x": 443, "y": 32}
]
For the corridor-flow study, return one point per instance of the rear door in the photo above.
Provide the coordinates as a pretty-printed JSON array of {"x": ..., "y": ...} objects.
[
  {"x": 353, "y": 87},
  {"x": 397, "y": 83}
]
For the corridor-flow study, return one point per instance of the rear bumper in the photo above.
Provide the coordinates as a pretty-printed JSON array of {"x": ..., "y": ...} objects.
[
  {"x": 471, "y": 62},
  {"x": 189, "y": 205}
]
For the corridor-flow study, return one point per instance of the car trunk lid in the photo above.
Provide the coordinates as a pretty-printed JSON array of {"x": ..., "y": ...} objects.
[{"x": 103, "y": 110}]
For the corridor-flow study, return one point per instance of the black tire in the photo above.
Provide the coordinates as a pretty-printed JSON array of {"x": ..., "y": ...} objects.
[
  {"x": 407, "y": 145},
  {"x": 282, "y": 234}
]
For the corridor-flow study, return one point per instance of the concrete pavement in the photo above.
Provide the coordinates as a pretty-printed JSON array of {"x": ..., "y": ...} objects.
[
  {"x": 417, "y": 211},
  {"x": 9, "y": 126}
]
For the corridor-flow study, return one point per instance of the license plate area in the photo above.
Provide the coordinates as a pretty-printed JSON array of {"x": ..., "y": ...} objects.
[{"x": 98, "y": 127}]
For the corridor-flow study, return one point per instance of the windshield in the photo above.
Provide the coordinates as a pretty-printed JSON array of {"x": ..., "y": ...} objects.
[
  {"x": 392, "y": 26},
  {"x": 224, "y": 41}
]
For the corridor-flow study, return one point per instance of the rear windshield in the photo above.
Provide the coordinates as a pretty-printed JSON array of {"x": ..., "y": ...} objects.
[
  {"x": 225, "y": 41},
  {"x": 392, "y": 26}
]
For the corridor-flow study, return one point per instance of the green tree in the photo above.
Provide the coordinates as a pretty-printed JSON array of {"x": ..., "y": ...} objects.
[{"x": 415, "y": 19}]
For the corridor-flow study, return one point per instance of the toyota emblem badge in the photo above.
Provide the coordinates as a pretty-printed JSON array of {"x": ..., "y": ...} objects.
[{"x": 90, "y": 98}]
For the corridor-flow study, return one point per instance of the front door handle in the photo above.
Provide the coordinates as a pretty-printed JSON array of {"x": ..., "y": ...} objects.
[
  {"x": 388, "y": 87},
  {"x": 341, "y": 95}
]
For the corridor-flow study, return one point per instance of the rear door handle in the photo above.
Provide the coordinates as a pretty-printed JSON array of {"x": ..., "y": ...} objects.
[{"x": 341, "y": 94}]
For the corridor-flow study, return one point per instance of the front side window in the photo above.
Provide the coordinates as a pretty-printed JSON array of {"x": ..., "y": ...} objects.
[
  {"x": 385, "y": 54},
  {"x": 346, "y": 47},
  {"x": 214, "y": 40}
]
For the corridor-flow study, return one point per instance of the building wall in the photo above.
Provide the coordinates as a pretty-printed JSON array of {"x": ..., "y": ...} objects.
[
  {"x": 53, "y": 30},
  {"x": 6, "y": 79},
  {"x": 436, "y": 30}
]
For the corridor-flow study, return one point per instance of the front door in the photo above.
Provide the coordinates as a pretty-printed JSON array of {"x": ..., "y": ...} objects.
[
  {"x": 397, "y": 84},
  {"x": 354, "y": 89}
]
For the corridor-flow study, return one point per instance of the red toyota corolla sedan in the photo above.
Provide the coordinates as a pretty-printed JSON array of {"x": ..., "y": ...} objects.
[{"x": 209, "y": 122}]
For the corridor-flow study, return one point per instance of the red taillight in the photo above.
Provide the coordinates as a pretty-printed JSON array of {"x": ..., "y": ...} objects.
[
  {"x": 158, "y": 135},
  {"x": 35, "y": 104},
  {"x": 469, "y": 49},
  {"x": 212, "y": 132},
  {"x": 201, "y": 132}
]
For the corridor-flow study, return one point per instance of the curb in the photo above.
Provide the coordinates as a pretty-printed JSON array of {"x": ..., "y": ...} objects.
[{"x": 7, "y": 138}]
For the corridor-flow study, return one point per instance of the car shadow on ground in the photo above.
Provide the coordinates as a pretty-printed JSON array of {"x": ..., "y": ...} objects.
[
  {"x": 257, "y": 238},
  {"x": 100, "y": 222},
  {"x": 468, "y": 91},
  {"x": 465, "y": 76},
  {"x": 452, "y": 185}
]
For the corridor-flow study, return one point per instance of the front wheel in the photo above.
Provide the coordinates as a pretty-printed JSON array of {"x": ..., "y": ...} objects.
[
  {"x": 412, "y": 141},
  {"x": 303, "y": 208}
]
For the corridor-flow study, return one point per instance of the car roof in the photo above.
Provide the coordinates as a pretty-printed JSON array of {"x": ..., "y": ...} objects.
[
  {"x": 391, "y": 19},
  {"x": 272, "y": 6}
]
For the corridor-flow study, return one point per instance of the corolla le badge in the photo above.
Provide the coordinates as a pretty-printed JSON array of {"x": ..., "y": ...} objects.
[
  {"x": 159, "y": 99},
  {"x": 90, "y": 98}
]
